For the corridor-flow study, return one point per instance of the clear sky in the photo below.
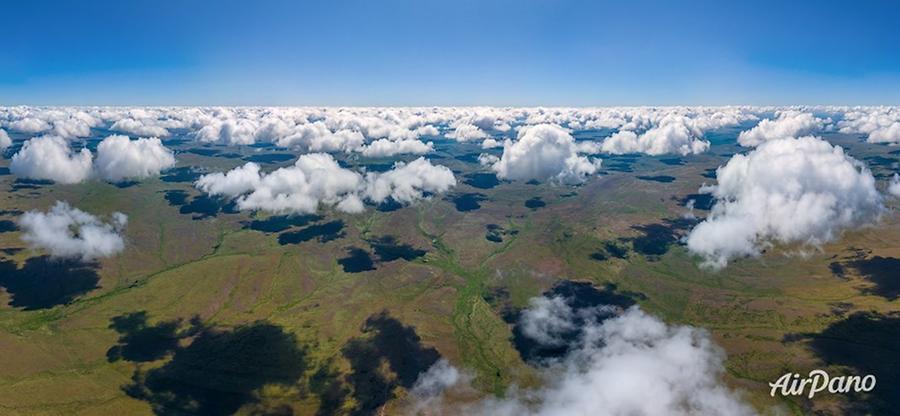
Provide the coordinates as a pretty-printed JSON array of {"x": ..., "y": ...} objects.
[{"x": 388, "y": 52}]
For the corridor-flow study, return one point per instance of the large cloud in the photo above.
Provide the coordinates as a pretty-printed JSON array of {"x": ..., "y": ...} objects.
[
  {"x": 786, "y": 191},
  {"x": 119, "y": 158},
  {"x": 630, "y": 364},
  {"x": 544, "y": 152},
  {"x": 49, "y": 157},
  {"x": 317, "y": 179},
  {"x": 65, "y": 231},
  {"x": 787, "y": 124}
]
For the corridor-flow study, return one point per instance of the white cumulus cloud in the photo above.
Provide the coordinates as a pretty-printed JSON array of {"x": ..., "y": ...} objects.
[
  {"x": 881, "y": 124},
  {"x": 487, "y": 159},
  {"x": 50, "y": 157},
  {"x": 628, "y": 364},
  {"x": 317, "y": 180},
  {"x": 407, "y": 182},
  {"x": 317, "y": 137},
  {"x": 119, "y": 158},
  {"x": 888, "y": 134},
  {"x": 65, "y": 231},
  {"x": 466, "y": 132},
  {"x": 544, "y": 152},
  {"x": 674, "y": 134},
  {"x": 800, "y": 190},
  {"x": 30, "y": 125},
  {"x": 143, "y": 128},
  {"x": 5, "y": 141},
  {"x": 894, "y": 186},
  {"x": 229, "y": 131},
  {"x": 491, "y": 143},
  {"x": 787, "y": 124},
  {"x": 388, "y": 147}
]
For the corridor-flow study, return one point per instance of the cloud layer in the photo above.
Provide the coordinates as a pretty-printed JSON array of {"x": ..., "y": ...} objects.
[
  {"x": 543, "y": 147},
  {"x": 65, "y": 231},
  {"x": 318, "y": 129}
]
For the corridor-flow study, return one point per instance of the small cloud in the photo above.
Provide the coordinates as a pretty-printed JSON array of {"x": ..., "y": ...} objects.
[
  {"x": 139, "y": 127},
  {"x": 388, "y": 148},
  {"x": 894, "y": 186},
  {"x": 491, "y": 143},
  {"x": 466, "y": 132},
  {"x": 5, "y": 141},
  {"x": 788, "y": 124}
]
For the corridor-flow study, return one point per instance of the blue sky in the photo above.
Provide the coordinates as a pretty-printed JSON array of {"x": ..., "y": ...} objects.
[{"x": 449, "y": 53}]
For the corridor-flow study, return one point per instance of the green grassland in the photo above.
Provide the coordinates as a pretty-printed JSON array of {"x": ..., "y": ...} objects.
[{"x": 54, "y": 360}]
